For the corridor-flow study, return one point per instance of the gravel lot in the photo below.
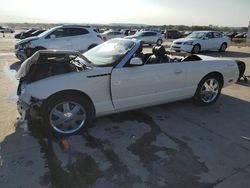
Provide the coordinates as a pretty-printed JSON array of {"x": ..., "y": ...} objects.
[{"x": 172, "y": 145}]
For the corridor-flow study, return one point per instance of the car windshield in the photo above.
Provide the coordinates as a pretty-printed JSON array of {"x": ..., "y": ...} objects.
[
  {"x": 46, "y": 32},
  {"x": 139, "y": 33},
  {"x": 110, "y": 52},
  {"x": 196, "y": 35}
]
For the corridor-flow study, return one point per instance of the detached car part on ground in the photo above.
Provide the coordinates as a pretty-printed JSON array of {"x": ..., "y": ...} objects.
[{"x": 67, "y": 89}]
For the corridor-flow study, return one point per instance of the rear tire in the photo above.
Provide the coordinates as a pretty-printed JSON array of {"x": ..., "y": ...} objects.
[
  {"x": 208, "y": 90},
  {"x": 68, "y": 114}
]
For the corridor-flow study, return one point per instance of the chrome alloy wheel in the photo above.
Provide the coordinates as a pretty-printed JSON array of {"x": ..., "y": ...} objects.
[
  {"x": 67, "y": 117},
  {"x": 209, "y": 90}
]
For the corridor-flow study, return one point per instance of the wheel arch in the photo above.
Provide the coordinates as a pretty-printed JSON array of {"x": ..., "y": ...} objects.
[
  {"x": 72, "y": 92},
  {"x": 197, "y": 43},
  {"x": 217, "y": 74}
]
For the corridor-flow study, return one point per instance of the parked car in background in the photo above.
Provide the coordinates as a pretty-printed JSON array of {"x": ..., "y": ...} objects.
[
  {"x": 112, "y": 34},
  {"x": 201, "y": 40},
  {"x": 186, "y": 33},
  {"x": 132, "y": 32},
  {"x": 125, "y": 31},
  {"x": 241, "y": 35},
  {"x": 37, "y": 32},
  {"x": 148, "y": 37},
  {"x": 65, "y": 37},
  {"x": 67, "y": 89},
  {"x": 173, "y": 34},
  {"x": 231, "y": 34},
  {"x": 6, "y": 30},
  {"x": 25, "y": 34}
]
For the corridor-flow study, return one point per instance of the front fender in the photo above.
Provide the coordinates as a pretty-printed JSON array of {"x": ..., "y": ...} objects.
[{"x": 90, "y": 83}]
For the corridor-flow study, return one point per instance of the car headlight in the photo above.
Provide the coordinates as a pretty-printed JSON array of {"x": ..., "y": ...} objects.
[{"x": 188, "y": 43}]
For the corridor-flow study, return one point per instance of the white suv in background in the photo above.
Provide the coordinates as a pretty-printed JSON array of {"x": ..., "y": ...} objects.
[
  {"x": 65, "y": 37},
  {"x": 147, "y": 37},
  {"x": 201, "y": 40}
]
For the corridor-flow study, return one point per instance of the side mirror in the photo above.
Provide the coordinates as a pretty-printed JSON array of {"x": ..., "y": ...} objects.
[
  {"x": 52, "y": 36},
  {"x": 136, "y": 61}
]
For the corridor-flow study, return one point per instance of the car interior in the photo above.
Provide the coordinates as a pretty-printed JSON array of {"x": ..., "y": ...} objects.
[{"x": 160, "y": 55}]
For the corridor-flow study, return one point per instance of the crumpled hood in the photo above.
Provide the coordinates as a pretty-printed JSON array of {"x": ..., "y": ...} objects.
[
  {"x": 27, "y": 40},
  {"x": 26, "y": 65}
]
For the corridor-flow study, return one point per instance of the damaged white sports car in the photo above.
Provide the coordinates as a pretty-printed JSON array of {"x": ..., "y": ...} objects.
[{"x": 67, "y": 89}]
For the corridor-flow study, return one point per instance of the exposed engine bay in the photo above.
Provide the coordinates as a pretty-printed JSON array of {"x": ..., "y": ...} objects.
[
  {"x": 44, "y": 64},
  {"x": 49, "y": 65}
]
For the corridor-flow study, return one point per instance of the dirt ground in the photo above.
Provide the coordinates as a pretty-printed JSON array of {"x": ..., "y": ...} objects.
[{"x": 172, "y": 145}]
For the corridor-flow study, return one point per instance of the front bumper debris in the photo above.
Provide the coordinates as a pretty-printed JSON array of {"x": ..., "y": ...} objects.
[
  {"x": 33, "y": 110},
  {"x": 23, "y": 110}
]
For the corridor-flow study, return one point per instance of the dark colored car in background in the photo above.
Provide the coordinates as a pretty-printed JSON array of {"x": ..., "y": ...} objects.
[
  {"x": 241, "y": 35},
  {"x": 25, "y": 34},
  {"x": 231, "y": 34},
  {"x": 37, "y": 32},
  {"x": 173, "y": 34}
]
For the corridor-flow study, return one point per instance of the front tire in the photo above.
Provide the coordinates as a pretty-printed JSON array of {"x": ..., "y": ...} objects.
[
  {"x": 196, "y": 49},
  {"x": 208, "y": 90},
  {"x": 67, "y": 115}
]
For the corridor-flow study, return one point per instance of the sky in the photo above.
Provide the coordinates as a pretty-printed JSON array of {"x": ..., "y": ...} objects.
[{"x": 152, "y": 12}]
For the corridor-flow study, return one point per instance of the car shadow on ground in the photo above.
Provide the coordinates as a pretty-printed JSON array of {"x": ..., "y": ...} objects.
[
  {"x": 231, "y": 54},
  {"x": 150, "y": 147},
  {"x": 243, "y": 83}
]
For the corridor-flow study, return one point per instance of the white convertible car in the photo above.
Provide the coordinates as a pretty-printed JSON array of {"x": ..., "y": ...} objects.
[{"x": 67, "y": 89}]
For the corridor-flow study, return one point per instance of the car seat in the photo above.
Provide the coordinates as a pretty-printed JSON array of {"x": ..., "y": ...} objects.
[
  {"x": 159, "y": 56},
  {"x": 139, "y": 53}
]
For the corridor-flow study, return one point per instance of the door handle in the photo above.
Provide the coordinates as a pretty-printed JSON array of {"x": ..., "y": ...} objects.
[{"x": 178, "y": 71}]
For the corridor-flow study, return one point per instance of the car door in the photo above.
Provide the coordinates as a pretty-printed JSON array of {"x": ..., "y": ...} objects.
[
  {"x": 79, "y": 38},
  {"x": 218, "y": 40},
  {"x": 207, "y": 42},
  {"x": 58, "y": 40},
  {"x": 139, "y": 86}
]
